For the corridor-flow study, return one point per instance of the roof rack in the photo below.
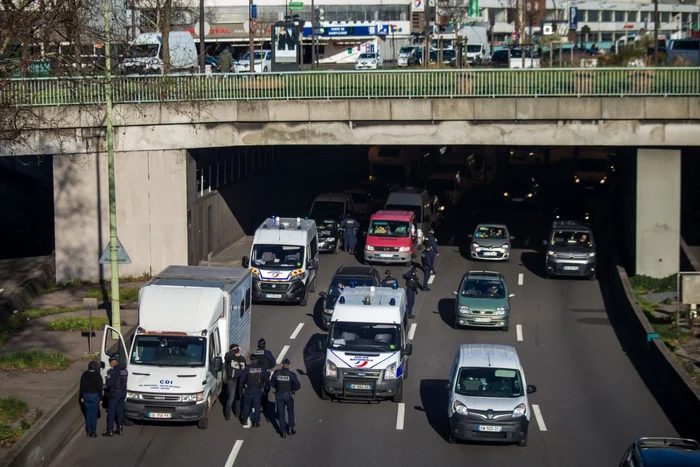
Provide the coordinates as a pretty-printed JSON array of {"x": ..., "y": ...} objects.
[
  {"x": 655, "y": 442},
  {"x": 568, "y": 224},
  {"x": 485, "y": 272}
]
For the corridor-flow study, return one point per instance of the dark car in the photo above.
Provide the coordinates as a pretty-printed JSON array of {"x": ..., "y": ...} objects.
[
  {"x": 571, "y": 251},
  {"x": 499, "y": 59},
  {"x": 576, "y": 209},
  {"x": 657, "y": 452},
  {"x": 329, "y": 237},
  {"x": 349, "y": 275},
  {"x": 520, "y": 190}
]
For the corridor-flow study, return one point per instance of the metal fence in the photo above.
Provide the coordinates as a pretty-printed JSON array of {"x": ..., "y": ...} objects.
[{"x": 404, "y": 84}]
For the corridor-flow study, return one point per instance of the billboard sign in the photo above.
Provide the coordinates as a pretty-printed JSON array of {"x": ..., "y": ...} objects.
[{"x": 285, "y": 39}]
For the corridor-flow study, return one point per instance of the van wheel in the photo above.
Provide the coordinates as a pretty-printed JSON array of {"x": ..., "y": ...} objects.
[
  {"x": 128, "y": 422},
  {"x": 305, "y": 300},
  {"x": 203, "y": 424},
  {"x": 398, "y": 397},
  {"x": 324, "y": 395},
  {"x": 523, "y": 442},
  {"x": 312, "y": 287}
]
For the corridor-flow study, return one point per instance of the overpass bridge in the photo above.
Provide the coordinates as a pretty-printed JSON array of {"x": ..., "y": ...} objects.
[{"x": 158, "y": 118}]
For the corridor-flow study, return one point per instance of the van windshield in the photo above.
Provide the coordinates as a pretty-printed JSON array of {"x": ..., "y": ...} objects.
[
  {"x": 489, "y": 382},
  {"x": 143, "y": 51},
  {"x": 277, "y": 256},
  {"x": 406, "y": 50},
  {"x": 473, "y": 48},
  {"x": 327, "y": 209},
  {"x": 169, "y": 351},
  {"x": 592, "y": 165},
  {"x": 570, "y": 238},
  {"x": 365, "y": 336},
  {"x": 404, "y": 207},
  {"x": 380, "y": 228}
]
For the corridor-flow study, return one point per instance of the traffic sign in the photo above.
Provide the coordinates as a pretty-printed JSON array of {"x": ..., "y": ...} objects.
[
  {"x": 122, "y": 255},
  {"x": 253, "y": 11},
  {"x": 296, "y": 6},
  {"x": 253, "y": 26}
]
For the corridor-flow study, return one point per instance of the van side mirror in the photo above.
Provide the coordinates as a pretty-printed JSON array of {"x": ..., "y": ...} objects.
[
  {"x": 409, "y": 349},
  {"x": 217, "y": 365},
  {"x": 531, "y": 389},
  {"x": 310, "y": 264},
  {"x": 245, "y": 262},
  {"x": 320, "y": 346}
]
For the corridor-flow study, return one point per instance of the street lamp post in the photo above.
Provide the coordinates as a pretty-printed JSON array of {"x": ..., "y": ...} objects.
[
  {"x": 656, "y": 32},
  {"x": 202, "y": 33},
  {"x": 251, "y": 40}
]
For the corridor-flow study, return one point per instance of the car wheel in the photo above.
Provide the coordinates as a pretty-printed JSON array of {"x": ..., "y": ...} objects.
[
  {"x": 450, "y": 439},
  {"x": 523, "y": 442},
  {"x": 305, "y": 300},
  {"x": 591, "y": 277},
  {"x": 324, "y": 395},
  {"x": 506, "y": 327},
  {"x": 128, "y": 422},
  {"x": 398, "y": 397},
  {"x": 203, "y": 424}
]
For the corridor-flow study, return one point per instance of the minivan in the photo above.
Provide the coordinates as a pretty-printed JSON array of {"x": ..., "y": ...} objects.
[
  {"x": 391, "y": 237},
  {"x": 418, "y": 201}
]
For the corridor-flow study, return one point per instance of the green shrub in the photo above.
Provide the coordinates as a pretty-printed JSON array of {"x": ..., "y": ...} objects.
[
  {"x": 34, "y": 360},
  {"x": 645, "y": 284},
  {"x": 78, "y": 323},
  {"x": 13, "y": 421}
]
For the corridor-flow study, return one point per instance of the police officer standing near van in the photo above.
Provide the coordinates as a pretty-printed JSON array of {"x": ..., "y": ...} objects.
[
  {"x": 267, "y": 362},
  {"x": 235, "y": 364},
  {"x": 115, "y": 390},
  {"x": 428, "y": 260},
  {"x": 411, "y": 291},
  {"x": 350, "y": 228},
  {"x": 388, "y": 281},
  {"x": 253, "y": 379},
  {"x": 286, "y": 384}
]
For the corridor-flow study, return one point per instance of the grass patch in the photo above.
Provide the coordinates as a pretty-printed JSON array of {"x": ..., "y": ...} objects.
[
  {"x": 12, "y": 422},
  {"x": 15, "y": 323},
  {"x": 34, "y": 313},
  {"x": 643, "y": 285},
  {"x": 78, "y": 323},
  {"x": 126, "y": 294},
  {"x": 34, "y": 360}
]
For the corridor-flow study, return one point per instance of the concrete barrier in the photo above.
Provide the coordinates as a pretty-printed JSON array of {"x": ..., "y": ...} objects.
[
  {"x": 688, "y": 260},
  {"x": 674, "y": 389}
]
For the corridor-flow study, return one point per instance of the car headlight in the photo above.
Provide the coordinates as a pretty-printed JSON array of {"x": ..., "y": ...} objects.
[
  {"x": 331, "y": 369},
  {"x": 475, "y": 245},
  {"x": 460, "y": 408},
  {"x": 442, "y": 208},
  {"x": 404, "y": 249},
  {"x": 529, "y": 195},
  {"x": 330, "y": 239},
  {"x": 390, "y": 372},
  {"x": 552, "y": 254},
  {"x": 255, "y": 272},
  {"x": 463, "y": 309},
  {"x": 505, "y": 194},
  {"x": 500, "y": 310},
  {"x": 576, "y": 179},
  {"x": 374, "y": 62},
  {"x": 133, "y": 395},
  {"x": 369, "y": 248},
  {"x": 506, "y": 246},
  {"x": 591, "y": 255},
  {"x": 602, "y": 181},
  {"x": 193, "y": 397},
  {"x": 519, "y": 411}
]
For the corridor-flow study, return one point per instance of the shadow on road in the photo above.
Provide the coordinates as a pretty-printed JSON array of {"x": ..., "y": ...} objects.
[
  {"x": 434, "y": 399},
  {"x": 313, "y": 362},
  {"x": 446, "y": 309},
  {"x": 534, "y": 262}
]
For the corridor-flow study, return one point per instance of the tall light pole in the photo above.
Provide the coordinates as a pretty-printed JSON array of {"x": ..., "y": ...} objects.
[
  {"x": 113, "y": 243},
  {"x": 202, "y": 33},
  {"x": 656, "y": 32},
  {"x": 313, "y": 35},
  {"x": 251, "y": 40}
]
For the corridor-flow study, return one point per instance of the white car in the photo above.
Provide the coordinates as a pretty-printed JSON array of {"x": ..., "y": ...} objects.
[
  {"x": 369, "y": 61},
  {"x": 263, "y": 62}
]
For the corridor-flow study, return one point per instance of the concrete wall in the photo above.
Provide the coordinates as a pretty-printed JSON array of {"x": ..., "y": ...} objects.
[
  {"x": 658, "y": 212},
  {"x": 151, "y": 212}
]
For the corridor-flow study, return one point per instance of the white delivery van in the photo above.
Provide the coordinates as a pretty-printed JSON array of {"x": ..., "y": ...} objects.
[
  {"x": 145, "y": 54},
  {"x": 427, "y": 210},
  {"x": 188, "y": 317},
  {"x": 367, "y": 349},
  {"x": 478, "y": 46},
  {"x": 284, "y": 260},
  {"x": 591, "y": 168}
]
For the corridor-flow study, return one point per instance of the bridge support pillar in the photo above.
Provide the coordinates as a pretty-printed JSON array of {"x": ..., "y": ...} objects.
[{"x": 658, "y": 211}]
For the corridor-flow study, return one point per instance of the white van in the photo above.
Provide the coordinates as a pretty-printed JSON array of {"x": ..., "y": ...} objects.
[
  {"x": 188, "y": 317},
  {"x": 284, "y": 260},
  {"x": 427, "y": 210},
  {"x": 367, "y": 349},
  {"x": 591, "y": 168},
  {"x": 145, "y": 54},
  {"x": 488, "y": 395}
]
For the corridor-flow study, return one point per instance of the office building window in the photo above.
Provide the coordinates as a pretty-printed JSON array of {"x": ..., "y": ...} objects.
[
  {"x": 644, "y": 16},
  {"x": 607, "y": 16},
  {"x": 499, "y": 15},
  {"x": 606, "y": 37},
  {"x": 619, "y": 16},
  {"x": 592, "y": 15},
  {"x": 666, "y": 17}
]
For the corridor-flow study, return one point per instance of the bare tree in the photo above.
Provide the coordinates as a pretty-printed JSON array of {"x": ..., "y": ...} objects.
[
  {"x": 167, "y": 14},
  {"x": 454, "y": 12}
]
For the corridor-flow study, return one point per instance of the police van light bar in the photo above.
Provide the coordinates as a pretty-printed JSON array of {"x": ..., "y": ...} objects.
[
  {"x": 392, "y": 302},
  {"x": 341, "y": 300},
  {"x": 367, "y": 301},
  {"x": 352, "y": 284},
  {"x": 395, "y": 286},
  {"x": 372, "y": 289}
]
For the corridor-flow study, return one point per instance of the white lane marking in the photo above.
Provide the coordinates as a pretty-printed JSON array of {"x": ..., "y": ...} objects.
[
  {"x": 247, "y": 423},
  {"x": 521, "y": 278},
  {"x": 431, "y": 278},
  {"x": 452, "y": 239},
  {"x": 296, "y": 331},
  {"x": 282, "y": 354},
  {"x": 2, "y": 290},
  {"x": 538, "y": 417},
  {"x": 519, "y": 332},
  {"x": 412, "y": 331},
  {"x": 234, "y": 453},
  {"x": 400, "y": 416},
  {"x": 527, "y": 241}
]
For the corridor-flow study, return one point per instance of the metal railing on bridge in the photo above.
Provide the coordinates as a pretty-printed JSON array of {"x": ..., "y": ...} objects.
[{"x": 402, "y": 84}]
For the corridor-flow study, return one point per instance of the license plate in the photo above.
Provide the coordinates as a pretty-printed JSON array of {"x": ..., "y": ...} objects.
[
  {"x": 273, "y": 295},
  {"x": 518, "y": 200},
  {"x": 490, "y": 253},
  {"x": 496, "y": 429},
  {"x": 386, "y": 256},
  {"x": 160, "y": 415},
  {"x": 482, "y": 320},
  {"x": 363, "y": 387},
  {"x": 570, "y": 268},
  {"x": 590, "y": 187}
]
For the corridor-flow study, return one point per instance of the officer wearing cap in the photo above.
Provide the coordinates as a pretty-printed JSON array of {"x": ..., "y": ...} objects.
[
  {"x": 267, "y": 362},
  {"x": 253, "y": 379},
  {"x": 411, "y": 291},
  {"x": 235, "y": 364},
  {"x": 285, "y": 383},
  {"x": 388, "y": 281},
  {"x": 115, "y": 390}
]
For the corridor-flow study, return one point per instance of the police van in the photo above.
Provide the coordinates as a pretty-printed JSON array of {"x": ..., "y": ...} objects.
[
  {"x": 367, "y": 348},
  {"x": 284, "y": 260}
]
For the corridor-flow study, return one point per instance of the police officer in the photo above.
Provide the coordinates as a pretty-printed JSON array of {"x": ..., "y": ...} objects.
[
  {"x": 433, "y": 242},
  {"x": 115, "y": 389},
  {"x": 388, "y": 281},
  {"x": 235, "y": 364},
  {"x": 428, "y": 259},
  {"x": 254, "y": 379},
  {"x": 267, "y": 362},
  {"x": 350, "y": 228},
  {"x": 411, "y": 291},
  {"x": 285, "y": 383}
]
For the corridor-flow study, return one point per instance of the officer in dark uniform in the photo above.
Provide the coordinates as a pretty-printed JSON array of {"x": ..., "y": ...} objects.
[
  {"x": 388, "y": 281},
  {"x": 411, "y": 291},
  {"x": 115, "y": 389},
  {"x": 350, "y": 228},
  {"x": 235, "y": 364},
  {"x": 428, "y": 259},
  {"x": 433, "y": 243},
  {"x": 267, "y": 362},
  {"x": 254, "y": 379},
  {"x": 285, "y": 383}
]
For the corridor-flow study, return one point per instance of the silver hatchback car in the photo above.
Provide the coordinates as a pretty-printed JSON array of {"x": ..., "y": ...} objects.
[{"x": 491, "y": 242}]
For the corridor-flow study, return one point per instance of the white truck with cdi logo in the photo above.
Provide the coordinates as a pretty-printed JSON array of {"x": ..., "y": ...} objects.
[
  {"x": 367, "y": 349},
  {"x": 188, "y": 317}
]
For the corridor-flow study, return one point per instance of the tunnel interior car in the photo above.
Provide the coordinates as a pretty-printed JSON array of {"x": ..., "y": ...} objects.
[
  {"x": 483, "y": 300},
  {"x": 520, "y": 189},
  {"x": 571, "y": 251},
  {"x": 491, "y": 242},
  {"x": 574, "y": 208},
  {"x": 657, "y": 452}
]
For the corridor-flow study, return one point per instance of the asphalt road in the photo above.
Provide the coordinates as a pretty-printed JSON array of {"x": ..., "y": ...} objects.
[{"x": 592, "y": 402}]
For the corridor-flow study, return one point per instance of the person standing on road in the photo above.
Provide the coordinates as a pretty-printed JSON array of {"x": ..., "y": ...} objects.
[
  {"x": 254, "y": 379},
  {"x": 286, "y": 384},
  {"x": 117, "y": 377},
  {"x": 428, "y": 260},
  {"x": 432, "y": 241},
  {"x": 91, "y": 396},
  {"x": 235, "y": 364},
  {"x": 411, "y": 291},
  {"x": 388, "y": 281},
  {"x": 267, "y": 362},
  {"x": 226, "y": 60},
  {"x": 350, "y": 228}
]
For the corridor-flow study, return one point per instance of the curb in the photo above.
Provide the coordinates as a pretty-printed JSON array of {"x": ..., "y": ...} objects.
[{"x": 30, "y": 288}]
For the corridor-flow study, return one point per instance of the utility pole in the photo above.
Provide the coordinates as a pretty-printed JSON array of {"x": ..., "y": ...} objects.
[
  {"x": 202, "y": 33},
  {"x": 251, "y": 40},
  {"x": 426, "y": 52},
  {"x": 113, "y": 258},
  {"x": 313, "y": 35},
  {"x": 656, "y": 32}
]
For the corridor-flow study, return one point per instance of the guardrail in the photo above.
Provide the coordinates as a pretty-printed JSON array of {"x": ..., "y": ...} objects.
[{"x": 548, "y": 82}]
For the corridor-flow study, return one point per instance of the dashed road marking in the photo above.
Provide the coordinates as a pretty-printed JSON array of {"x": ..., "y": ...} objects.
[
  {"x": 519, "y": 332},
  {"x": 521, "y": 278},
  {"x": 296, "y": 331},
  {"x": 527, "y": 241},
  {"x": 412, "y": 331},
  {"x": 282, "y": 354},
  {"x": 538, "y": 416},
  {"x": 400, "y": 416},
  {"x": 431, "y": 279},
  {"x": 234, "y": 453},
  {"x": 247, "y": 423}
]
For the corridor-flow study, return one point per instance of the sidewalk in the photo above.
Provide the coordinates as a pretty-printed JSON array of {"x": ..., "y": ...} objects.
[
  {"x": 232, "y": 255},
  {"x": 43, "y": 390}
]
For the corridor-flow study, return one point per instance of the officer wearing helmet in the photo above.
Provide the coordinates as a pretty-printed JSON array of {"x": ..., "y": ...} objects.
[
  {"x": 267, "y": 362},
  {"x": 388, "y": 281},
  {"x": 286, "y": 384},
  {"x": 254, "y": 379}
]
